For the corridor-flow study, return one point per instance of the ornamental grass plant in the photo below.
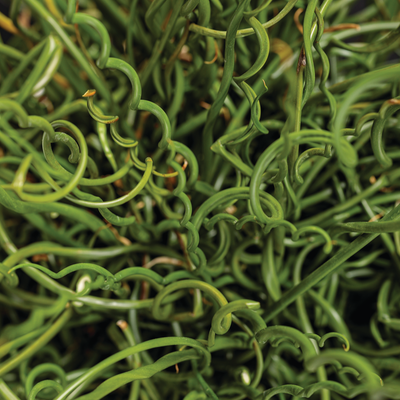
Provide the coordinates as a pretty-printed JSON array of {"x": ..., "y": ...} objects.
[{"x": 199, "y": 199}]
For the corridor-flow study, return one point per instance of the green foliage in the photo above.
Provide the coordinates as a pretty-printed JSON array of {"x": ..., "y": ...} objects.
[{"x": 220, "y": 205}]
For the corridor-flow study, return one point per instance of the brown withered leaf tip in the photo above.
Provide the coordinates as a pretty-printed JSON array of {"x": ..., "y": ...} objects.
[{"x": 89, "y": 93}]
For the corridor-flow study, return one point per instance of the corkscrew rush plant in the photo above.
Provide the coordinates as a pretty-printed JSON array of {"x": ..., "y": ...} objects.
[{"x": 199, "y": 199}]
